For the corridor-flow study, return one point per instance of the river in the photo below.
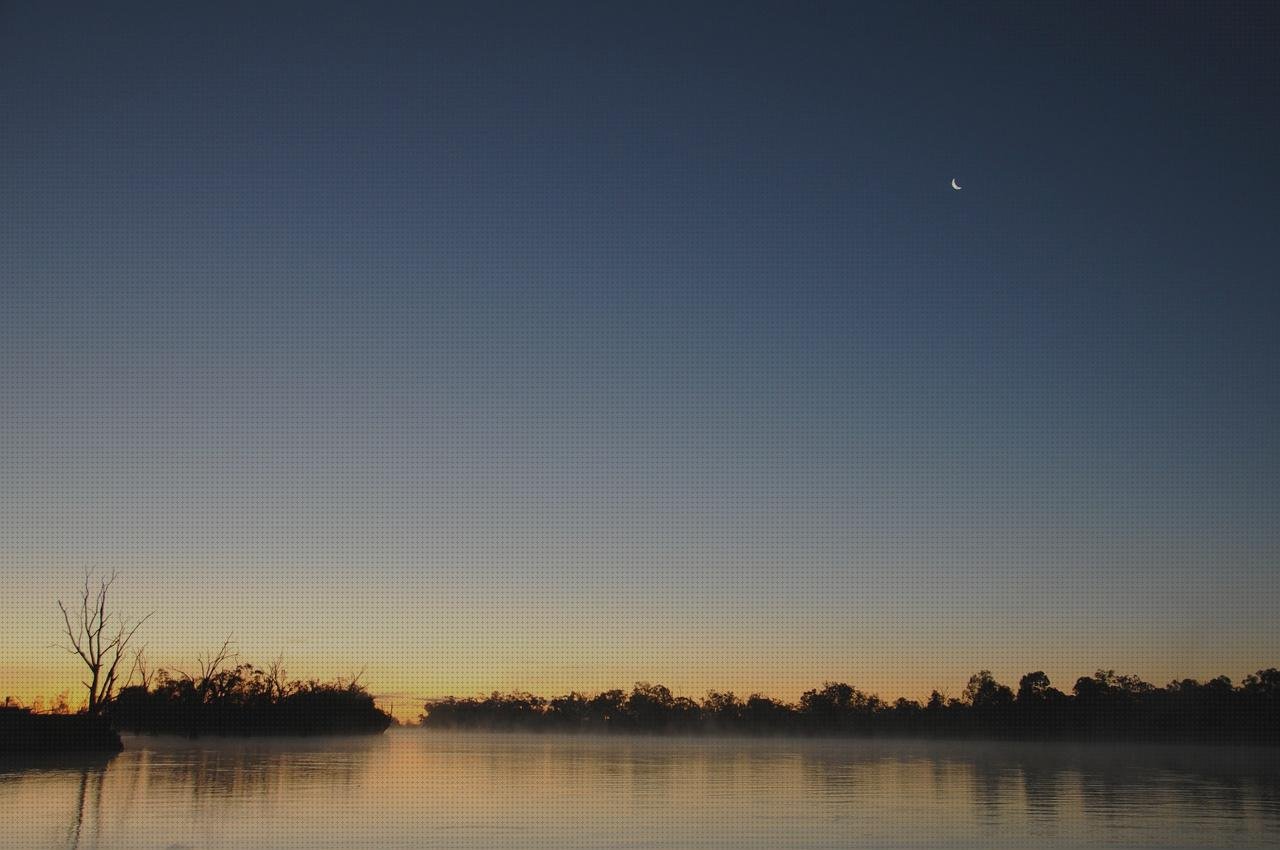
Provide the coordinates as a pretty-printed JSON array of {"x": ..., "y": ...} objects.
[{"x": 415, "y": 788}]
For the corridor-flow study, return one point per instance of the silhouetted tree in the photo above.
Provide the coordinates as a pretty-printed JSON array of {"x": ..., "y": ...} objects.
[
  {"x": 607, "y": 707},
  {"x": 570, "y": 711},
  {"x": 650, "y": 706},
  {"x": 277, "y": 679},
  {"x": 1033, "y": 686},
  {"x": 100, "y": 637},
  {"x": 723, "y": 709},
  {"x": 763, "y": 714},
  {"x": 984, "y": 692},
  {"x": 1108, "y": 684},
  {"x": 209, "y": 678},
  {"x": 1264, "y": 683}
]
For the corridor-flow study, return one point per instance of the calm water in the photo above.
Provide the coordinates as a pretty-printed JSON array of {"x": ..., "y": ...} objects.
[{"x": 434, "y": 789}]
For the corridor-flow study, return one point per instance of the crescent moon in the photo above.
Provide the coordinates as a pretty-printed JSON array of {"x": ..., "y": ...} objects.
[{"x": 954, "y": 184}]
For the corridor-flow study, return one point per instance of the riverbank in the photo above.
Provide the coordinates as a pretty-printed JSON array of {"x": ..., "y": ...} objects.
[{"x": 25, "y": 732}]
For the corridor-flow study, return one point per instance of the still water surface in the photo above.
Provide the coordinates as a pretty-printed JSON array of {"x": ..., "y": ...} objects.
[{"x": 411, "y": 788}]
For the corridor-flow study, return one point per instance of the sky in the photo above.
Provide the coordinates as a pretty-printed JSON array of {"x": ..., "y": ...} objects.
[{"x": 553, "y": 346}]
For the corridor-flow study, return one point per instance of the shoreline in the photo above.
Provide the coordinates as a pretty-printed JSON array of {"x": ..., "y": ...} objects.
[{"x": 25, "y": 733}]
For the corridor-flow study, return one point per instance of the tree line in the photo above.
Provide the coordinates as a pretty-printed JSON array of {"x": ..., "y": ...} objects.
[
  {"x": 226, "y": 698},
  {"x": 1106, "y": 705}
]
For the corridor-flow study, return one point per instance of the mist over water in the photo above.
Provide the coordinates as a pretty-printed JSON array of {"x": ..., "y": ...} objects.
[{"x": 413, "y": 788}]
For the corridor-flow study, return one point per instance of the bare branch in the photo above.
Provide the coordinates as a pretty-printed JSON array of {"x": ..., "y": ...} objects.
[
  {"x": 210, "y": 666},
  {"x": 72, "y": 636},
  {"x": 141, "y": 668},
  {"x": 277, "y": 678}
]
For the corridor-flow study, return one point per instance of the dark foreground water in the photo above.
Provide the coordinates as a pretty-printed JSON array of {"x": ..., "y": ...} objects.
[{"x": 436, "y": 789}]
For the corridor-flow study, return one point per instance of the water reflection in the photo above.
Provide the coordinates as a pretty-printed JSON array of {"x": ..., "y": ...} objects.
[
  {"x": 223, "y": 773},
  {"x": 69, "y": 788},
  {"x": 90, "y": 789},
  {"x": 437, "y": 789}
]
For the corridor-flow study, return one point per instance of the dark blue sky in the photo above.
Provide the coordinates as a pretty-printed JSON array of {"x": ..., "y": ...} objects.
[{"x": 584, "y": 343}]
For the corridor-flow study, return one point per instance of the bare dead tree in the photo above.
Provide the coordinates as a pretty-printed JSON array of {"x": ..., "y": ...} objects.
[
  {"x": 209, "y": 667},
  {"x": 99, "y": 637},
  {"x": 142, "y": 669},
  {"x": 277, "y": 679}
]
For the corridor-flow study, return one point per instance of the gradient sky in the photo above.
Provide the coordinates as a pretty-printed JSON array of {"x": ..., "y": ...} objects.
[{"x": 570, "y": 346}]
